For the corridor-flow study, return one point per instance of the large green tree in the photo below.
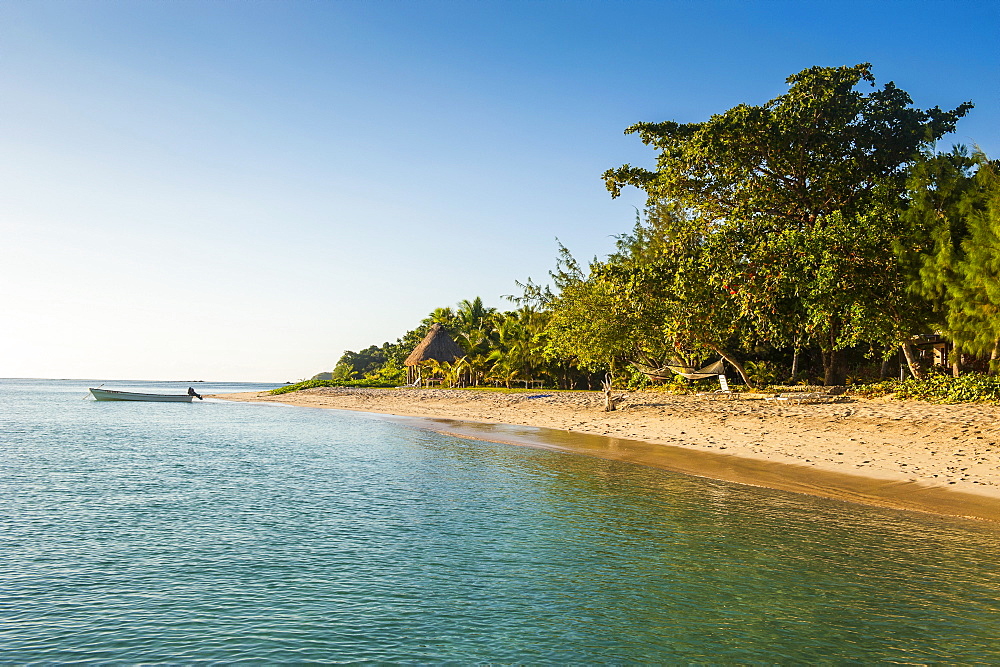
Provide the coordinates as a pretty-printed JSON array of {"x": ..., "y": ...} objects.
[
  {"x": 952, "y": 248},
  {"x": 595, "y": 321},
  {"x": 656, "y": 300},
  {"x": 804, "y": 191},
  {"x": 975, "y": 325},
  {"x": 930, "y": 249}
]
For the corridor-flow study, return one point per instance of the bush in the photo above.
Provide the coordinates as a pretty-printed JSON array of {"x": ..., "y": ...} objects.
[
  {"x": 388, "y": 374},
  {"x": 875, "y": 389},
  {"x": 764, "y": 373},
  {"x": 309, "y": 384},
  {"x": 938, "y": 388}
]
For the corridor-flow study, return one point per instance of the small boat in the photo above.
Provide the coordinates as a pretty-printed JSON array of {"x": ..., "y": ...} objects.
[{"x": 111, "y": 395}]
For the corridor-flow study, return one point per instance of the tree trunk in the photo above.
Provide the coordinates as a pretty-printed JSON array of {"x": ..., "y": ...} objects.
[
  {"x": 994, "y": 359},
  {"x": 834, "y": 373},
  {"x": 886, "y": 365},
  {"x": 735, "y": 364},
  {"x": 795, "y": 364},
  {"x": 911, "y": 361}
]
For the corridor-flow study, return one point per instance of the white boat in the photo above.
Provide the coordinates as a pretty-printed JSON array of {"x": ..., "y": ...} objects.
[{"x": 111, "y": 395}]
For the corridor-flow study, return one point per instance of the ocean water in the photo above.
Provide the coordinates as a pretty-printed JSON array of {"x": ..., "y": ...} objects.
[{"x": 225, "y": 532}]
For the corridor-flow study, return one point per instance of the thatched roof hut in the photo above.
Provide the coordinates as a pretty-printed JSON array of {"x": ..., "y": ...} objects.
[{"x": 436, "y": 345}]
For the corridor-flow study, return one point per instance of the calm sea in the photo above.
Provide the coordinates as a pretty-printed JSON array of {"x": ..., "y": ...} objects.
[{"x": 223, "y": 532}]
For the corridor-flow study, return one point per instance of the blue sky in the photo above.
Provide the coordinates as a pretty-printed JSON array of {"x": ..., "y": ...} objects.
[{"x": 242, "y": 190}]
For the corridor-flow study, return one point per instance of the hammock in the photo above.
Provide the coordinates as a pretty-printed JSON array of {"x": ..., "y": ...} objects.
[{"x": 688, "y": 372}]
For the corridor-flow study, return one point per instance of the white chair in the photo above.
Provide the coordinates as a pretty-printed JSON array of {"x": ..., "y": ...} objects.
[{"x": 723, "y": 391}]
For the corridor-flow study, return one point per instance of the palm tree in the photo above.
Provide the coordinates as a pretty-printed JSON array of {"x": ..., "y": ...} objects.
[
  {"x": 473, "y": 314},
  {"x": 450, "y": 372},
  {"x": 517, "y": 352},
  {"x": 474, "y": 324},
  {"x": 443, "y": 316}
]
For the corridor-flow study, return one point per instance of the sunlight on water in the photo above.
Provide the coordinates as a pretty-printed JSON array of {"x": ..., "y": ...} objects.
[{"x": 158, "y": 532}]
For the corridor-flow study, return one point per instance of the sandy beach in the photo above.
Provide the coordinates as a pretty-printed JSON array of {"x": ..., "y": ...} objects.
[{"x": 902, "y": 454}]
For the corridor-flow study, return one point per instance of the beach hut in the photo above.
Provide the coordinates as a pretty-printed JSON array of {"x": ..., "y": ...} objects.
[{"x": 437, "y": 345}]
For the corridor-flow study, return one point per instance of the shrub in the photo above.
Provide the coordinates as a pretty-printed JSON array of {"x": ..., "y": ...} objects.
[
  {"x": 875, "y": 389},
  {"x": 389, "y": 374},
  {"x": 763, "y": 373},
  {"x": 309, "y": 384},
  {"x": 938, "y": 388}
]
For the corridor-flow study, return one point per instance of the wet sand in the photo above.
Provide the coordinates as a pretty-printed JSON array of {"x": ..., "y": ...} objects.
[{"x": 906, "y": 455}]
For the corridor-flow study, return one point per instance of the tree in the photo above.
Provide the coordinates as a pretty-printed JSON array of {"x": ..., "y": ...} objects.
[
  {"x": 954, "y": 249},
  {"x": 593, "y": 321},
  {"x": 452, "y": 373},
  {"x": 681, "y": 259},
  {"x": 519, "y": 345},
  {"x": 443, "y": 316},
  {"x": 473, "y": 324},
  {"x": 655, "y": 300},
  {"x": 931, "y": 247},
  {"x": 974, "y": 319},
  {"x": 473, "y": 315},
  {"x": 781, "y": 180}
]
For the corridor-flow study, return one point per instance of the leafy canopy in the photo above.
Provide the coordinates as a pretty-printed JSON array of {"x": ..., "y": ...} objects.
[
  {"x": 953, "y": 249},
  {"x": 821, "y": 147},
  {"x": 803, "y": 193}
]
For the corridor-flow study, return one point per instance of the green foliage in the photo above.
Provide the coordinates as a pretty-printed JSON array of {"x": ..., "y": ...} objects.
[
  {"x": 658, "y": 298},
  {"x": 519, "y": 343},
  {"x": 501, "y": 347},
  {"x": 938, "y": 388},
  {"x": 764, "y": 373},
  {"x": 811, "y": 221},
  {"x": 391, "y": 373},
  {"x": 309, "y": 384},
  {"x": 952, "y": 248},
  {"x": 974, "y": 311},
  {"x": 343, "y": 371},
  {"x": 875, "y": 389},
  {"x": 475, "y": 325},
  {"x": 802, "y": 193},
  {"x": 371, "y": 360},
  {"x": 821, "y": 147},
  {"x": 593, "y": 319},
  {"x": 359, "y": 364},
  {"x": 450, "y": 373}
]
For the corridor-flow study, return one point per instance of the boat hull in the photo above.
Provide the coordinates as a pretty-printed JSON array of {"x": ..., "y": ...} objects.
[{"x": 111, "y": 395}]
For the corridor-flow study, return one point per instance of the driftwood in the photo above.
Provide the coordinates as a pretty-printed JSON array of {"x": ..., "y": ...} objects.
[{"x": 609, "y": 400}]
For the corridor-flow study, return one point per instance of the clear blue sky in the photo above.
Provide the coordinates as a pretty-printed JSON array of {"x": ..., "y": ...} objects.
[{"x": 242, "y": 190}]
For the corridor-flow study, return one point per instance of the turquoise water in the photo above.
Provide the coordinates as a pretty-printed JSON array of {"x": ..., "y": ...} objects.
[{"x": 222, "y": 532}]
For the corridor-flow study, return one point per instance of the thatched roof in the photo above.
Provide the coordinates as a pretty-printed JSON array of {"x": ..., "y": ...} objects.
[{"x": 437, "y": 345}]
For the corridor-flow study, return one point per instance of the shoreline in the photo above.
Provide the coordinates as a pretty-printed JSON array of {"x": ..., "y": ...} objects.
[{"x": 902, "y": 455}]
